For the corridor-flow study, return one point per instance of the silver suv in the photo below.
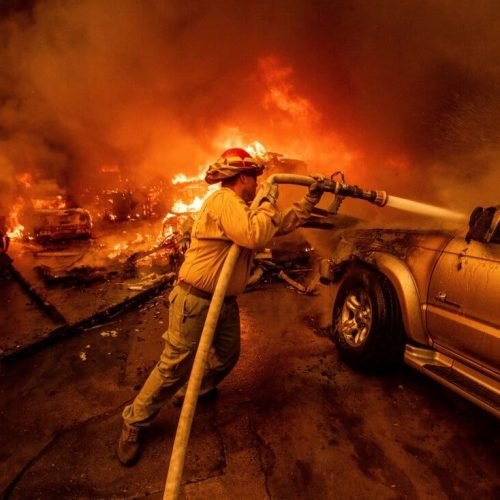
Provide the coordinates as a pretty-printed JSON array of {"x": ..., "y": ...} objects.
[{"x": 431, "y": 298}]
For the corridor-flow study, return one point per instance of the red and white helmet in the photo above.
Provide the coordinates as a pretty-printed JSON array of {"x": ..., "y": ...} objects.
[{"x": 232, "y": 162}]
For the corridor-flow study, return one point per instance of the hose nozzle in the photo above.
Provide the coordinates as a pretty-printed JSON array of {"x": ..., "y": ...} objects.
[
  {"x": 378, "y": 198},
  {"x": 381, "y": 198}
]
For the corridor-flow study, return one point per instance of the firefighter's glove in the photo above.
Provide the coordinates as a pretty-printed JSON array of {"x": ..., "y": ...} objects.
[
  {"x": 269, "y": 192},
  {"x": 315, "y": 193}
]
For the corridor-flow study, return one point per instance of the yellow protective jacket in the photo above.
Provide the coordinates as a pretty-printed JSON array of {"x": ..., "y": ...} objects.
[{"x": 225, "y": 219}]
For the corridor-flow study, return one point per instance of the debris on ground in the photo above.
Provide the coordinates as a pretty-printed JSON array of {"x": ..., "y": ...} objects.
[
  {"x": 279, "y": 263},
  {"x": 149, "y": 280},
  {"x": 77, "y": 276}
]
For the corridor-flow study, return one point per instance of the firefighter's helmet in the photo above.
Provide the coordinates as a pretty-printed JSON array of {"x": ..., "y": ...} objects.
[{"x": 232, "y": 162}]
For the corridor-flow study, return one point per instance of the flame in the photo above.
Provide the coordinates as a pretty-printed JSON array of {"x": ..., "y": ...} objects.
[
  {"x": 168, "y": 226},
  {"x": 281, "y": 95},
  {"x": 117, "y": 250},
  {"x": 183, "y": 178},
  {"x": 232, "y": 137},
  {"x": 120, "y": 246},
  {"x": 25, "y": 178},
  {"x": 182, "y": 206},
  {"x": 286, "y": 109},
  {"x": 256, "y": 149},
  {"x": 179, "y": 207},
  {"x": 16, "y": 232},
  {"x": 192, "y": 202},
  {"x": 56, "y": 203},
  {"x": 16, "y": 229}
]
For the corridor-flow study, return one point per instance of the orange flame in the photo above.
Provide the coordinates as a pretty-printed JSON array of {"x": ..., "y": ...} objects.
[
  {"x": 183, "y": 178},
  {"x": 16, "y": 229},
  {"x": 179, "y": 207},
  {"x": 56, "y": 203},
  {"x": 192, "y": 205},
  {"x": 25, "y": 178},
  {"x": 281, "y": 95},
  {"x": 256, "y": 149},
  {"x": 117, "y": 250}
]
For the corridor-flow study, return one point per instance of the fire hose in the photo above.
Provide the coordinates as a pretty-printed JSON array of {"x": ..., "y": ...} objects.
[{"x": 178, "y": 456}]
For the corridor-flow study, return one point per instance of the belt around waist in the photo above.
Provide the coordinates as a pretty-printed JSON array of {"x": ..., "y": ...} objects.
[{"x": 201, "y": 293}]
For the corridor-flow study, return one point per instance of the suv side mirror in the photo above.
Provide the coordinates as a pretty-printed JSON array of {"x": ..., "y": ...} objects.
[
  {"x": 493, "y": 234},
  {"x": 484, "y": 225}
]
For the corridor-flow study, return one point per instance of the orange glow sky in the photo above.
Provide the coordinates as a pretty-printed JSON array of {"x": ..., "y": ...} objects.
[{"x": 405, "y": 97}]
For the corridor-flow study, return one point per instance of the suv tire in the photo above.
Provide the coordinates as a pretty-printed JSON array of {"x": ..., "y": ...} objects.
[{"x": 367, "y": 326}]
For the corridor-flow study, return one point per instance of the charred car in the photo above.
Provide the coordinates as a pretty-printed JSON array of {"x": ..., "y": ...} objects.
[
  {"x": 61, "y": 224},
  {"x": 50, "y": 214},
  {"x": 430, "y": 298}
]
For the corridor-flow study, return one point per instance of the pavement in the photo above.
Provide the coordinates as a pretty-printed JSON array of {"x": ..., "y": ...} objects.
[
  {"x": 291, "y": 421},
  {"x": 36, "y": 313}
]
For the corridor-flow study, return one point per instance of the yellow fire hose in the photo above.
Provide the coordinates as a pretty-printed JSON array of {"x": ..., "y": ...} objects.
[{"x": 178, "y": 456}]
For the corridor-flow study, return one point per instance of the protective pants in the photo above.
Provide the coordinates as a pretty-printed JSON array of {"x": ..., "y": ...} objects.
[{"x": 187, "y": 315}]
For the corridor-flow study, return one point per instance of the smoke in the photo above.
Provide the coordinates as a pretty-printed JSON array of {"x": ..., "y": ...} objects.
[{"x": 404, "y": 96}]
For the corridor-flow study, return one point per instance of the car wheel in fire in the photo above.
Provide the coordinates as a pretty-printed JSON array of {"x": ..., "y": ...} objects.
[{"x": 366, "y": 321}]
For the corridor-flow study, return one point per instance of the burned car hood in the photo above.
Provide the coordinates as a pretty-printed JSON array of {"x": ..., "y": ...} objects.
[{"x": 395, "y": 241}]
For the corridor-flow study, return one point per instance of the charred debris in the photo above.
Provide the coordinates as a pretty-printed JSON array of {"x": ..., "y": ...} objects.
[{"x": 82, "y": 266}]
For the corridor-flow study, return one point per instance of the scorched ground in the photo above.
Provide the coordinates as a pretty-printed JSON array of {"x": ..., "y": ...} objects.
[{"x": 290, "y": 422}]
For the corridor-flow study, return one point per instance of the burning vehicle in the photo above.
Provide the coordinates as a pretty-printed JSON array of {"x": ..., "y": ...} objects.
[
  {"x": 45, "y": 212},
  {"x": 428, "y": 297},
  {"x": 61, "y": 224}
]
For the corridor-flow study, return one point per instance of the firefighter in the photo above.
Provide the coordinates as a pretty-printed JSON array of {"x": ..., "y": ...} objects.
[{"x": 224, "y": 219}]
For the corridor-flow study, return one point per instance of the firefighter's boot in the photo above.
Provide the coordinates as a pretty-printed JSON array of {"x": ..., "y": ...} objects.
[{"x": 129, "y": 444}]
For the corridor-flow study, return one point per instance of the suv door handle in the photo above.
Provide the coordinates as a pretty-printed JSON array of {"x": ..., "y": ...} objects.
[{"x": 441, "y": 296}]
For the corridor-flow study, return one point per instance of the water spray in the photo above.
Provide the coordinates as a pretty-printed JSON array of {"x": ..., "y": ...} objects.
[
  {"x": 424, "y": 209},
  {"x": 377, "y": 197}
]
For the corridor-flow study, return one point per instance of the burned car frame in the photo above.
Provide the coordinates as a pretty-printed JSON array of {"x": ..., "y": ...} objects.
[
  {"x": 47, "y": 212},
  {"x": 430, "y": 298},
  {"x": 60, "y": 224}
]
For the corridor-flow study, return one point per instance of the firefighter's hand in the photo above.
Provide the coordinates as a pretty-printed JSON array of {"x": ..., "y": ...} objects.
[
  {"x": 269, "y": 192},
  {"x": 315, "y": 192}
]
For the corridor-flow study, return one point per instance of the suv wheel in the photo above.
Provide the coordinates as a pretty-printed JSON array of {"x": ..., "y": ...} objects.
[{"x": 367, "y": 324}]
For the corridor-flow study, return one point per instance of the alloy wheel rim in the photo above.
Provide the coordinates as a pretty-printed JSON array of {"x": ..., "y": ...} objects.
[{"x": 356, "y": 317}]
